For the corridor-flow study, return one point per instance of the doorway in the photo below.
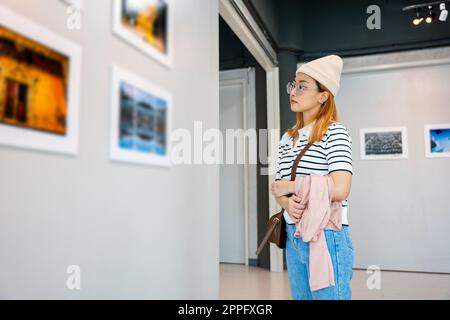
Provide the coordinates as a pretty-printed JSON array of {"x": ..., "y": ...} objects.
[
  {"x": 239, "y": 19},
  {"x": 237, "y": 179}
]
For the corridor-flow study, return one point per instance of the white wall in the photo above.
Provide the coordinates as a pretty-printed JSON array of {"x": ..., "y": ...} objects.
[
  {"x": 398, "y": 209},
  {"x": 135, "y": 231}
]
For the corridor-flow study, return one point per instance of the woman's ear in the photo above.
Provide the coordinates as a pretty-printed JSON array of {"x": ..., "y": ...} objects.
[{"x": 323, "y": 97}]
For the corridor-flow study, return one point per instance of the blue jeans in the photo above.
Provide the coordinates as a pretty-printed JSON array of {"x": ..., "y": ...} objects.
[{"x": 340, "y": 246}]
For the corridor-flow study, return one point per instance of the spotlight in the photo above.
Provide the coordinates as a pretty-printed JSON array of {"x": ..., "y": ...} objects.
[
  {"x": 444, "y": 12},
  {"x": 431, "y": 15},
  {"x": 418, "y": 19}
]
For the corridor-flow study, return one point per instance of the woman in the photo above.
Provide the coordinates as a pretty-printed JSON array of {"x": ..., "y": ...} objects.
[{"x": 312, "y": 98}]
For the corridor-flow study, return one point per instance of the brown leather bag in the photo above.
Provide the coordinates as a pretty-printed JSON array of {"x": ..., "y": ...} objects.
[{"x": 276, "y": 226}]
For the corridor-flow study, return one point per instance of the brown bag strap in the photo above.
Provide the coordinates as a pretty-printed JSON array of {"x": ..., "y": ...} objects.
[
  {"x": 276, "y": 219},
  {"x": 266, "y": 238},
  {"x": 297, "y": 160}
]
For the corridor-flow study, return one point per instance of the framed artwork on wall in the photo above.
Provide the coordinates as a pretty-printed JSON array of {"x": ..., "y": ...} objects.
[
  {"x": 437, "y": 140},
  {"x": 147, "y": 25},
  {"x": 39, "y": 86},
  {"x": 140, "y": 120},
  {"x": 383, "y": 143}
]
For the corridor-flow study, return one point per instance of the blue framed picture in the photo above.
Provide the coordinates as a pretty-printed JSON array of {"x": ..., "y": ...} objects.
[
  {"x": 437, "y": 140},
  {"x": 140, "y": 120}
]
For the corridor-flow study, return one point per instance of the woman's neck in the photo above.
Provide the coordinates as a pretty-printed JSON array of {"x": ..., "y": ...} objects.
[
  {"x": 309, "y": 116},
  {"x": 307, "y": 123}
]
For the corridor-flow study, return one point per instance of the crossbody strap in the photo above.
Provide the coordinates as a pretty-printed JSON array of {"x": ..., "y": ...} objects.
[
  {"x": 277, "y": 218},
  {"x": 297, "y": 160}
]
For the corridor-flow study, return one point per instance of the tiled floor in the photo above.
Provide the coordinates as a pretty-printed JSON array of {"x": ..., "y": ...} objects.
[{"x": 241, "y": 282}]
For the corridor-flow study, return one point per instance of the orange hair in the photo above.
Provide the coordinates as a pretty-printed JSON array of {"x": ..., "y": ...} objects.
[{"x": 327, "y": 114}]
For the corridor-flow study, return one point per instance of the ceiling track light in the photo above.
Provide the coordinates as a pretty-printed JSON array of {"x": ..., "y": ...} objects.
[
  {"x": 431, "y": 15},
  {"x": 418, "y": 18}
]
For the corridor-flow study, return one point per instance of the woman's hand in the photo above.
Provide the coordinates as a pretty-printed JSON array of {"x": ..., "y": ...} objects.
[
  {"x": 295, "y": 209},
  {"x": 282, "y": 188}
]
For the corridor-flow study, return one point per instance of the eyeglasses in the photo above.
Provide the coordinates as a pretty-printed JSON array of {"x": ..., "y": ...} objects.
[{"x": 299, "y": 88}]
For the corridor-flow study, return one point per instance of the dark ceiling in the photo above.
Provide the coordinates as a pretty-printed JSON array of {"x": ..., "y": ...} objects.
[{"x": 310, "y": 29}]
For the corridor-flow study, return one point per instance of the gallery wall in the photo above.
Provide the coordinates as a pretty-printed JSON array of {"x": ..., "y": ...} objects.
[
  {"x": 135, "y": 231},
  {"x": 398, "y": 208}
]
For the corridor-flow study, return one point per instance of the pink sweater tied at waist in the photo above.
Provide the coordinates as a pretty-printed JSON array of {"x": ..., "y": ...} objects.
[{"x": 319, "y": 213}]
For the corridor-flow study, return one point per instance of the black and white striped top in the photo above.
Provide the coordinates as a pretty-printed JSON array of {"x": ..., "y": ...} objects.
[{"x": 332, "y": 153}]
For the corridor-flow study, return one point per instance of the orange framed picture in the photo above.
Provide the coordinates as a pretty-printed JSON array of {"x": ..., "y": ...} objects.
[
  {"x": 39, "y": 84},
  {"x": 146, "y": 25}
]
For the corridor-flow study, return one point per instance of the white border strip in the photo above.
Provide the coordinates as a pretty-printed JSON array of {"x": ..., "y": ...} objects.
[{"x": 397, "y": 60}]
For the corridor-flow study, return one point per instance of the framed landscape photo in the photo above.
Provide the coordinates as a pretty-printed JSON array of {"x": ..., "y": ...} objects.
[
  {"x": 437, "y": 140},
  {"x": 147, "y": 25},
  {"x": 39, "y": 86},
  {"x": 140, "y": 120},
  {"x": 383, "y": 143}
]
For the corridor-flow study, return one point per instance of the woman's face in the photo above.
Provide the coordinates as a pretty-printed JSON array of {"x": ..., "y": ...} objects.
[{"x": 306, "y": 95}]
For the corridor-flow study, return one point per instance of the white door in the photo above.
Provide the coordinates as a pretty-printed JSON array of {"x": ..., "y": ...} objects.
[{"x": 232, "y": 215}]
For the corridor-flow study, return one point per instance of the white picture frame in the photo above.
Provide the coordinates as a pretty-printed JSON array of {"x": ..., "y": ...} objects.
[
  {"x": 128, "y": 35},
  {"x": 440, "y": 152},
  {"x": 399, "y": 150},
  {"x": 27, "y": 136},
  {"x": 127, "y": 149}
]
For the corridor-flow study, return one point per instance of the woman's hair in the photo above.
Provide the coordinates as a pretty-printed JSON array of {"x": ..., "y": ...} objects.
[{"x": 327, "y": 114}]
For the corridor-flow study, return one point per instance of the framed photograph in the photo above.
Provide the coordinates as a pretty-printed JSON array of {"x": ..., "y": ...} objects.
[
  {"x": 140, "y": 120},
  {"x": 437, "y": 140},
  {"x": 39, "y": 86},
  {"x": 147, "y": 25},
  {"x": 384, "y": 143}
]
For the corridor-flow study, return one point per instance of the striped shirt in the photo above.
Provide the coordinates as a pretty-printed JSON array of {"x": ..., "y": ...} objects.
[{"x": 332, "y": 153}]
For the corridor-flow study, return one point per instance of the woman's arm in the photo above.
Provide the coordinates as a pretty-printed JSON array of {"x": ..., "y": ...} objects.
[
  {"x": 342, "y": 181},
  {"x": 282, "y": 188},
  {"x": 283, "y": 201},
  {"x": 292, "y": 206},
  {"x": 339, "y": 157}
]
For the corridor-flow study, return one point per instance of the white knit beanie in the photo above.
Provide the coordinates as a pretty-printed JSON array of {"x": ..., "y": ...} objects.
[{"x": 326, "y": 70}]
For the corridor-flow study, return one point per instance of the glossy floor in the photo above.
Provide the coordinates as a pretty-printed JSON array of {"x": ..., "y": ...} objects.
[{"x": 241, "y": 282}]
